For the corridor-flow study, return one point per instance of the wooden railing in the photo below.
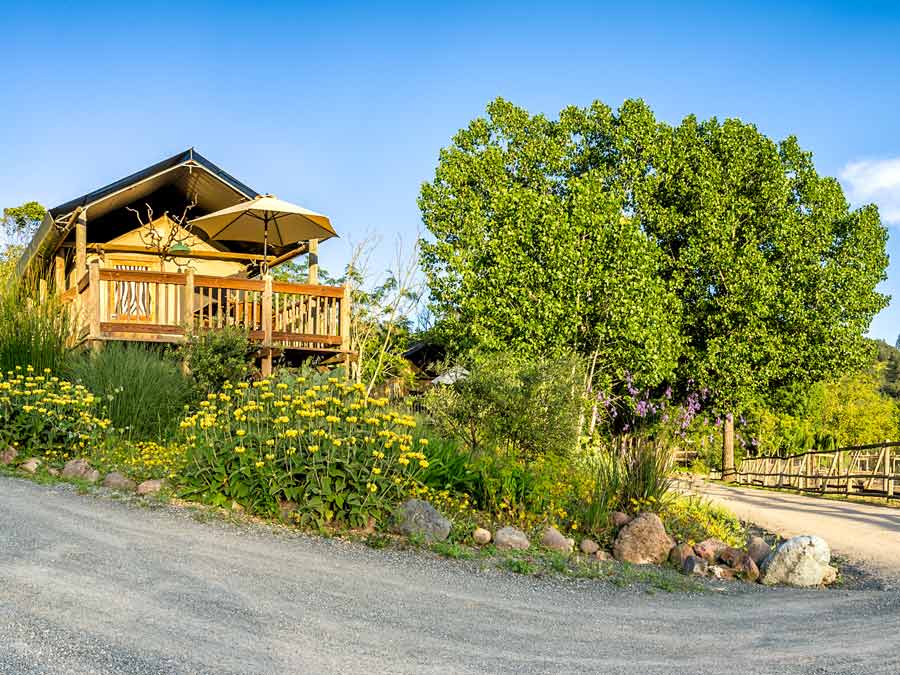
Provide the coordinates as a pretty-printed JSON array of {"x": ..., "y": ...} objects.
[
  {"x": 110, "y": 304},
  {"x": 864, "y": 469}
]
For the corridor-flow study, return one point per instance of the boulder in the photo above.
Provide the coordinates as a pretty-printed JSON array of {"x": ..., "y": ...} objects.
[
  {"x": 602, "y": 555},
  {"x": 743, "y": 566},
  {"x": 511, "y": 537},
  {"x": 30, "y": 465},
  {"x": 758, "y": 549},
  {"x": 589, "y": 546},
  {"x": 619, "y": 519},
  {"x": 9, "y": 455},
  {"x": 481, "y": 536},
  {"x": 554, "y": 539},
  {"x": 709, "y": 549},
  {"x": 680, "y": 553},
  {"x": 800, "y": 561},
  {"x": 80, "y": 469},
  {"x": 694, "y": 566},
  {"x": 418, "y": 517},
  {"x": 150, "y": 487},
  {"x": 117, "y": 481},
  {"x": 643, "y": 541}
]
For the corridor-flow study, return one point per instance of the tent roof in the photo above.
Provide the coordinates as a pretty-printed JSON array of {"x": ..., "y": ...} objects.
[{"x": 188, "y": 173}]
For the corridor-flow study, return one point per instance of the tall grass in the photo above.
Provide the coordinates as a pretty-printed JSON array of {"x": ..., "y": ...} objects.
[
  {"x": 628, "y": 474},
  {"x": 33, "y": 332},
  {"x": 144, "y": 391}
]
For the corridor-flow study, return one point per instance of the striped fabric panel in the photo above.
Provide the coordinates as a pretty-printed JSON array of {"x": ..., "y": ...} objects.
[{"x": 132, "y": 298}]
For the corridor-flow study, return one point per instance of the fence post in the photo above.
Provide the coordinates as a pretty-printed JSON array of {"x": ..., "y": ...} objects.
[
  {"x": 187, "y": 301},
  {"x": 889, "y": 470},
  {"x": 267, "y": 326}
]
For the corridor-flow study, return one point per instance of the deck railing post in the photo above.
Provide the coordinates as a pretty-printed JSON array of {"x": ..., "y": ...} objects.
[
  {"x": 267, "y": 326},
  {"x": 93, "y": 304},
  {"x": 59, "y": 274},
  {"x": 345, "y": 326},
  {"x": 187, "y": 301}
]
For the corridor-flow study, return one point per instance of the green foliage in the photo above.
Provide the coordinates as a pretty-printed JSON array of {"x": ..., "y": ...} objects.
[
  {"x": 693, "y": 519},
  {"x": 517, "y": 408},
  {"x": 531, "y": 251},
  {"x": 218, "y": 356},
  {"x": 143, "y": 390},
  {"x": 33, "y": 332},
  {"x": 887, "y": 360},
  {"x": 45, "y": 416},
  {"x": 449, "y": 467},
  {"x": 340, "y": 456},
  {"x": 21, "y": 222}
]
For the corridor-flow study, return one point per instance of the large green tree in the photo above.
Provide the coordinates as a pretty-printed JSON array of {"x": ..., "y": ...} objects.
[
  {"x": 532, "y": 254},
  {"x": 773, "y": 275}
]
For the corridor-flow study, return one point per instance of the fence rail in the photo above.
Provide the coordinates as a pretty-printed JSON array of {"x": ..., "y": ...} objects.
[{"x": 872, "y": 470}]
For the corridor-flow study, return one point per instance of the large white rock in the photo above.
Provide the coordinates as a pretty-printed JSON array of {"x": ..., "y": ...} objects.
[{"x": 801, "y": 561}]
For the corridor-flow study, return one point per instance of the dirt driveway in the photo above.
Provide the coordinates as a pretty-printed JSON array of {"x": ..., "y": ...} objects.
[{"x": 92, "y": 585}]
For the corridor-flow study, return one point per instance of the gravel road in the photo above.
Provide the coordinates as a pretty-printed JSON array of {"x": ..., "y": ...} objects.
[
  {"x": 866, "y": 534},
  {"x": 95, "y": 585}
]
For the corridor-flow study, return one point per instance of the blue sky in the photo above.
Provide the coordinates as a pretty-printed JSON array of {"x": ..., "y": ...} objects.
[{"x": 342, "y": 107}]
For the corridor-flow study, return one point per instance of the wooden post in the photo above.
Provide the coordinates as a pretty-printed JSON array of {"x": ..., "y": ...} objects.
[
  {"x": 345, "y": 326},
  {"x": 187, "y": 301},
  {"x": 42, "y": 289},
  {"x": 267, "y": 326},
  {"x": 314, "y": 261},
  {"x": 59, "y": 274},
  {"x": 889, "y": 470},
  {"x": 93, "y": 305},
  {"x": 728, "y": 449},
  {"x": 81, "y": 245}
]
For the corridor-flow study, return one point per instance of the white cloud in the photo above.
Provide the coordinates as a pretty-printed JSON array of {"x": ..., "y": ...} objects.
[{"x": 878, "y": 181}]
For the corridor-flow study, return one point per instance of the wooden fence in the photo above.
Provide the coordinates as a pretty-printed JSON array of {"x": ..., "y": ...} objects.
[{"x": 872, "y": 470}]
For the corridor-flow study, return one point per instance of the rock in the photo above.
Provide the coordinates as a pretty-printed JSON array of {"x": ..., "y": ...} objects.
[
  {"x": 117, "y": 481},
  {"x": 680, "y": 553},
  {"x": 80, "y": 469},
  {"x": 9, "y": 455},
  {"x": 694, "y": 566},
  {"x": 481, "y": 536},
  {"x": 53, "y": 471},
  {"x": 603, "y": 555},
  {"x": 511, "y": 537},
  {"x": 236, "y": 507},
  {"x": 744, "y": 567},
  {"x": 553, "y": 539},
  {"x": 286, "y": 510},
  {"x": 800, "y": 561},
  {"x": 150, "y": 487},
  {"x": 417, "y": 517},
  {"x": 643, "y": 541},
  {"x": 30, "y": 465},
  {"x": 709, "y": 549},
  {"x": 758, "y": 549},
  {"x": 620, "y": 519},
  {"x": 830, "y": 576},
  {"x": 729, "y": 555},
  {"x": 722, "y": 573},
  {"x": 589, "y": 546}
]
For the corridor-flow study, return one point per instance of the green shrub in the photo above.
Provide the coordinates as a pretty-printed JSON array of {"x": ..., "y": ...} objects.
[
  {"x": 504, "y": 405},
  {"x": 693, "y": 519},
  {"x": 449, "y": 468},
  {"x": 341, "y": 457},
  {"x": 218, "y": 356},
  {"x": 144, "y": 392},
  {"x": 32, "y": 332},
  {"x": 45, "y": 416}
]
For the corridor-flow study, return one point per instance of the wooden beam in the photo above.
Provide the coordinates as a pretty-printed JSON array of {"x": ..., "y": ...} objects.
[
  {"x": 300, "y": 250},
  {"x": 81, "y": 243},
  {"x": 313, "y": 261},
  {"x": 59, "y": 274},
  {"x": 198, "y": 255}
]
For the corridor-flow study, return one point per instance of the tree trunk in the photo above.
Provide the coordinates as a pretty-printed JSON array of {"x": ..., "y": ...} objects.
[{"x": 728, "y": 448}]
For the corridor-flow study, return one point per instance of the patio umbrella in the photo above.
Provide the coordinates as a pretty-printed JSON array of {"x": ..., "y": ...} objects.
[{"x": 266, "y": 220}]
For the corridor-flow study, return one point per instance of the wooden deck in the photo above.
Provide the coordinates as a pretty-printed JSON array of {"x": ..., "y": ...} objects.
[{"x": 111, "y": 304}]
